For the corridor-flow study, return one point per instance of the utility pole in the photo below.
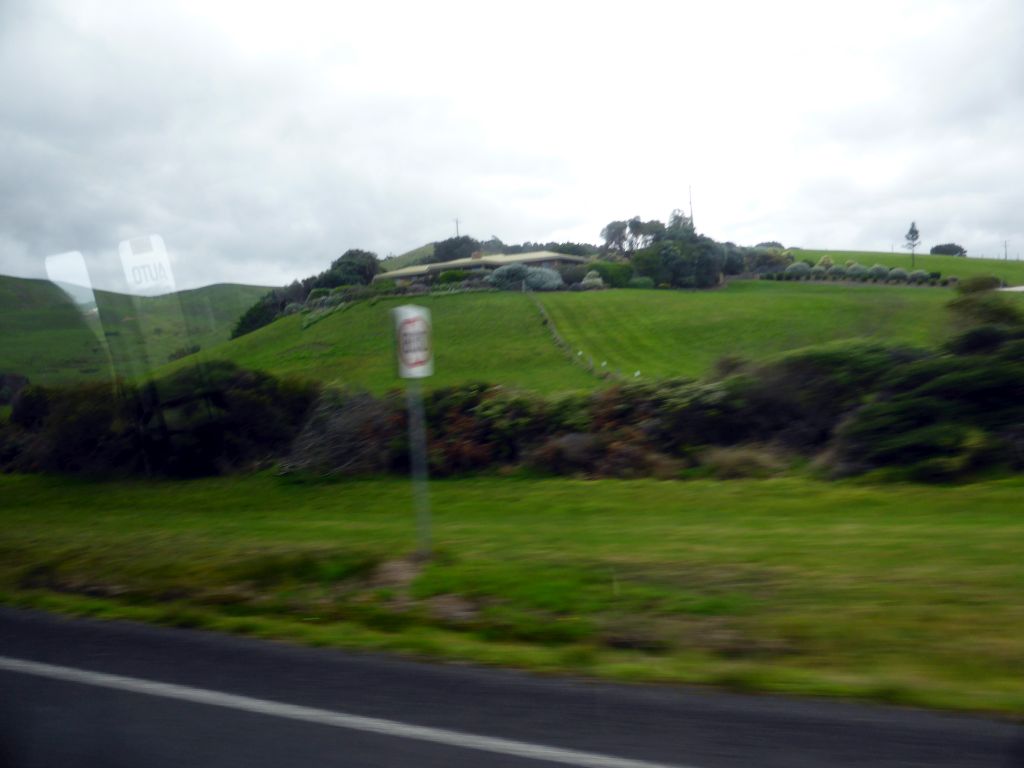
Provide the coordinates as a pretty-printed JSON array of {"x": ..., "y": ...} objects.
[
  {"x": 456, "y": 227},
  {"x": 690, "y": 188},
  {"x": 1006, "y": 245}
]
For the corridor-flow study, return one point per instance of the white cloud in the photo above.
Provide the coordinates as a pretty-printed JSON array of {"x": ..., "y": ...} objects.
[{"x": 262, "y": 141}]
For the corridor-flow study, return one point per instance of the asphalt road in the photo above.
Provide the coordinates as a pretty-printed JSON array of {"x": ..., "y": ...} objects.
[{"x": 111, "y": 694}]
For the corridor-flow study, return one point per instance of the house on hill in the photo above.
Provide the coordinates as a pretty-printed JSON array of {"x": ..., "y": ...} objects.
[{"x": 479, "y": 265}]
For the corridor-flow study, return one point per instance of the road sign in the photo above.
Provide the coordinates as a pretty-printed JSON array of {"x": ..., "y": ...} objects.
[
  {"x": 416, "y": 361},
  {"x": 415, "y": 350}
]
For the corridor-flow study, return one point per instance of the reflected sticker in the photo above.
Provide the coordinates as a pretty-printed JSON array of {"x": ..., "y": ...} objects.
[{"x": 147, "y": 268}]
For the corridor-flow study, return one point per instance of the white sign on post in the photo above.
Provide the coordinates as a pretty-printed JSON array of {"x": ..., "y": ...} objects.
[{"x": 415, "y": 351}]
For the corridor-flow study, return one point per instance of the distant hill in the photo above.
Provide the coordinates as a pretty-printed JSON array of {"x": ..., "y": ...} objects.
[
  {"x": 45, "y": 336},
  {"x": 1010, "y": 271},
  {"x": 499, "y": 337},
  {"x": 409, "y": 258}
]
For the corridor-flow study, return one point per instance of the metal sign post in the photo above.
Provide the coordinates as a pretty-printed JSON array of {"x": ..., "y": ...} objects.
[{"x": 415, "y": 362}]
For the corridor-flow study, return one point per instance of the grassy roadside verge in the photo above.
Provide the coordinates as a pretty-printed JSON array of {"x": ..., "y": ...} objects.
[{"x": 904, "y": 594}]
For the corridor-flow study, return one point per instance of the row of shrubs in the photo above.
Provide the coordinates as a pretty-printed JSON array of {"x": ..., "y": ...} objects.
[
  {"x": 878, "y": 273},
  {"x": 853, "y": 407}
]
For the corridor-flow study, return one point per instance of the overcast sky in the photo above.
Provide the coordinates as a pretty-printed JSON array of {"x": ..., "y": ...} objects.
[{"x": 262, "y": 143}]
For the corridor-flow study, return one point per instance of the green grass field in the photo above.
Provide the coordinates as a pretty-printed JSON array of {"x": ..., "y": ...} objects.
[
  {"x": 897, "y": 593},
  {"x": 47, "y": 338},
  {"x": 490, "y": 337},
  {"x": 499, "y": 338},
  {"x": 408, "y": 259},
  {"x": 673, "y": 333},
  {"x": 1011, "y": 272},
  {"x": 44, "y": 336}
]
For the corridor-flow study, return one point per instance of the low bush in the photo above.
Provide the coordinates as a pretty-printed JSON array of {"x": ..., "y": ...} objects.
[
  {"x": 979, "y": 284},
  {"x": 10, "y": 385},
  {"x": 592, "y": 280},
  {"x": 543, "y": 279},
  {"x": 856, "y": 271},
  {"x": 573, "y": 274},
  {"x": 797, "y": 271},
  {"x": 614, "y": 274},
  {"x": 983, "y": 339},
  {"x": 508, "y": 277},
  {"x": 878, "y": 272},
  {"x": 641, "y": 282},
  {"x": 451, "y": 276},
  {"x": 918, "y": 277},
  {"x": 567, "y": 454},
  {"x": 818, "y": 272},
  {"x": 735, "y": 462},
  {"x": 898, "y": 275}
]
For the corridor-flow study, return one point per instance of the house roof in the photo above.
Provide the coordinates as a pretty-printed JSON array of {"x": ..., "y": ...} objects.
[{"x": 492, "y": 261}]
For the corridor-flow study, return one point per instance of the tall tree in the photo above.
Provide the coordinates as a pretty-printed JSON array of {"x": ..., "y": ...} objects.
[
  {"x": 913, "y": 238},
  {"x": 454, "y": 248},
  {"x": 615, "y": 236}
]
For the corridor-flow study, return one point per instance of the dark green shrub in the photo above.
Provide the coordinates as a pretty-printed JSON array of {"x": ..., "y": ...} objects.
[
  {"x": 567, "y": 454},
  {"x": 878, "y": 272},
  {"x": 948, "y": 249},
  {"x": 981, "y": 340},
  {"x": 614, "y": 274},
  {"x": 856, "y": 271},
  {"x": 573, "y": 274},
  {"x": 734, "y": 462},
  {"x": 10, "y": 385},
  {"x": 987, "y": 307},
  {"x": 797, "y": 271},
  {"x": 898, "y": 275},
  {"x": 837, "y": 272},
  {"x": 979, "y": 284},
  {"x": 641, "y": 282},
  {"x": 918, "y": 277},
  {"x": 30, "y": 407},
  {"x": 451, "y": 276},
  {"x": 543, "y": 279},
  {"x": 319, "y": 293},
  {"x": 508, "y": 277}
]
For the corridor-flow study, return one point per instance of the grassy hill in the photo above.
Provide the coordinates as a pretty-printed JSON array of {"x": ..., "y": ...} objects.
[
  {"x": 50, "y": 340},
  {"x": 409, "y": 258},
  {"x": 492, "y": 337},
  {"x": 499, "y": 337},
  {"x": 1011, "y": 272},
  {"x": 672, "y": 333},
  {"x": 44, "y": 336}
]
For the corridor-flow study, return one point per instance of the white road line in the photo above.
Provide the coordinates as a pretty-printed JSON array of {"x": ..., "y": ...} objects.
[{"x": 326, "y": 717}]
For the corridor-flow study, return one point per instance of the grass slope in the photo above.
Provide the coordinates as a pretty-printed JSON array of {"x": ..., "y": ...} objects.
[
  {"x": 145, "y": 331},
  {"x": 489, "y": 337},
  {"x": 45, "y": 337},
  {"x": 1011, "y": 272},
  {"x": 683, "y": 333},
  {"x": 409, "y": 258},
  {"x": 899, "y": 593}
]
